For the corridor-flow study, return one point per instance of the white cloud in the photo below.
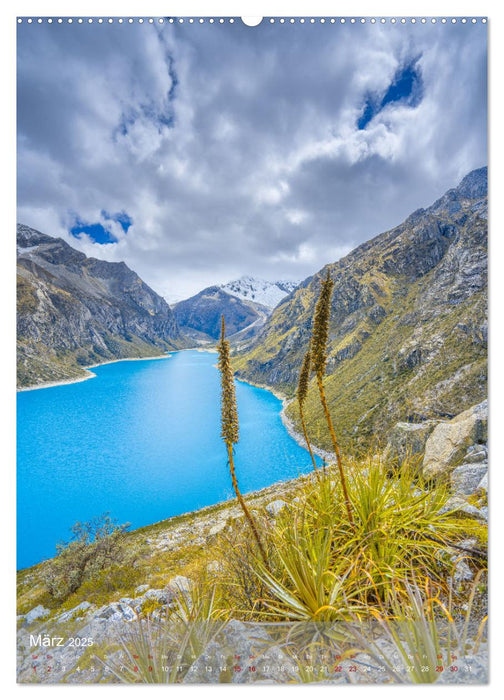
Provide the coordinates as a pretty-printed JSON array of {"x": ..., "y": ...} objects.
[{"x": 236, "y": 152}]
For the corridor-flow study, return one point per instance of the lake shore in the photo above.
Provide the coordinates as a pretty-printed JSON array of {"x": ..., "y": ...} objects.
[
  {"x": 139, "y": 446},
  {"x": 48, "y": 385},
  {"x": 289, "y": 423},
  {"x": 90, "y": 375}
]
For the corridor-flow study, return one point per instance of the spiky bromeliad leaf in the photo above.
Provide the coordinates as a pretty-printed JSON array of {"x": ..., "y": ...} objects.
[{"x": 320, "y": 332}]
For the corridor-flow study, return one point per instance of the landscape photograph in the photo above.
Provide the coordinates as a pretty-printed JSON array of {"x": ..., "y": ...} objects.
[{"x": 252, "y": 324}]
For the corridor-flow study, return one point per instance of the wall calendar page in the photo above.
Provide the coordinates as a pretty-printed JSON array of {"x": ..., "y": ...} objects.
[{"x": 252, "y": 350}]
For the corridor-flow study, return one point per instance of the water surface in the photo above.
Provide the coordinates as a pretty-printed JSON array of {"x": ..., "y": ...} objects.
[{"x": 142, "y": 441}]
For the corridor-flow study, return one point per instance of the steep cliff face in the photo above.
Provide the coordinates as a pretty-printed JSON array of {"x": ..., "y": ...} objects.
[
  {"x": 408, "y": 327},
  {"x": 75, "y": 311}
]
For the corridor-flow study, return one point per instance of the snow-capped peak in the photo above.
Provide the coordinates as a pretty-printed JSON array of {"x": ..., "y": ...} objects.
[{"x": 261, "y": 291}]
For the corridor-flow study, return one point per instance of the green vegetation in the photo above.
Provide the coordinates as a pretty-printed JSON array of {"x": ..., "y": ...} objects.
[
  {"x": 36, "y": 367},
  {"x": 428, "y": 639},
  {"x": 369, "y": 392},
  {"x": 95, "y": 546},
  {"x": 319, "y": 572},
  {"x": 325, "y": 569}
]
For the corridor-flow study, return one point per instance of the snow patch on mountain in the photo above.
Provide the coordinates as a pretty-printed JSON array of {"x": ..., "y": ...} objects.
[{"x": 260, "y": 291}]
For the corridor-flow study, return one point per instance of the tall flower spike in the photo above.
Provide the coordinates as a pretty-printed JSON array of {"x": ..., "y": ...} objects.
[
  {"x": 230, "y": 432},
  {"x": 320, "y": 336},
  {"x": 229, "y": 411},
  {"x": 320, "y": 333},
  {"x": 304, "y": 378}
]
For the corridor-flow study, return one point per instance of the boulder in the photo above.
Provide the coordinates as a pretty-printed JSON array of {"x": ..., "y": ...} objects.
[
  {"x": 483, "y": 484},
  {"x": 215, "y": 529},
  {"x": 476, "y": 453},
  {"x": 449, "y": 441},
  {"x": 213, "y": 567},
  {"x": 116, "y": 612},
  {"x": 75, "y": 613},
  {"x": 36, "y": 614},
  {"x": 161, "y": 595},
  {"x": 238, "y": 646},
  {"x": 466, "y": 478},
  {"x": 462, "y": 571},
  {"x": 408, "y": 439},
  {"x": 179, "y": 585},
  {"x": 275, "y": 507},
  {"x": 471, "y": 670},
  {"x": 463, "y": 508}
]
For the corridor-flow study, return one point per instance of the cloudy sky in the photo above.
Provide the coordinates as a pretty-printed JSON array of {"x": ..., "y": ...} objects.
[{"x": 199, "y": 153}]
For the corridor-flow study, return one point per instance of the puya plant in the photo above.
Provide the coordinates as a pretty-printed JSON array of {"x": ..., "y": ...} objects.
[
  {"x": 230, "y": 429},
  {"x": 163, "y": 651},
  {"x": 318, "y": 354}
]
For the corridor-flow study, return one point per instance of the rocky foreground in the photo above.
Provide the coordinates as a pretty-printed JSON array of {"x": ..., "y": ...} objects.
[{"x": 88, "y": 642}]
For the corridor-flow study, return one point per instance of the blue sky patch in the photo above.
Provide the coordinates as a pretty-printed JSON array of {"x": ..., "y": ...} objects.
[
  {"x": 407, "y": 88},
  {"x": 97, "y": 232}
]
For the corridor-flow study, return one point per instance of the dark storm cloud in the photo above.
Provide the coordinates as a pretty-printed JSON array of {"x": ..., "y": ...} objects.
[{"x": 237, "y": 150}]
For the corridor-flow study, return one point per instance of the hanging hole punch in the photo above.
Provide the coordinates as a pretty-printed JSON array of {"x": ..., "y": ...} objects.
[{"x": 252, "y": 21}]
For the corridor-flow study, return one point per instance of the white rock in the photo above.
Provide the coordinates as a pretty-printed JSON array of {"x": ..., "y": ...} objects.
[
  {"x": 466, "y": 477},
  {"x": 218, "y": 527},
  {"x": 36, "y": 614},
  {"x": 214, "y": 567},
  {"x": 483, "y": 484},
  {"x": 450, "y": 440},
  {"x": 116, "y": 612},
  {"x": 159, "y": 594},
  {"x": 275, "y": 507},
  {"x": 180, "y": 584},
  {"x": 74, "y": 612},
  {"x": 462, "y": 571}
]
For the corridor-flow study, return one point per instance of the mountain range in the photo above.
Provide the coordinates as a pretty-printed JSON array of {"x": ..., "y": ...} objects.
[
  {"x": 408, "y": 331},
  {"x": 245, "y": 303},
  {"x": 74, "y": 311},
  {"x": 260, "y": 291}
]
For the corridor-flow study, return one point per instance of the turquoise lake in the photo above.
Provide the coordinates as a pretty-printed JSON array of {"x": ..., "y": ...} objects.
[{"x": 141, "y": 440}]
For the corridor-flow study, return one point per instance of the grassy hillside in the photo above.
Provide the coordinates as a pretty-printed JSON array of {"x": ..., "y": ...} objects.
[{"x": 408, "y": 326}]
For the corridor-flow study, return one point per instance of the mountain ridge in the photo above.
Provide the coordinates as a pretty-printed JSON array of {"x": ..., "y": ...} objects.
[
  {"x": 75, "y": 311},
  {"x": 245, "y": 303},
  {"x": 259, "y": 290},
  {"x": 408, "y": 325}
]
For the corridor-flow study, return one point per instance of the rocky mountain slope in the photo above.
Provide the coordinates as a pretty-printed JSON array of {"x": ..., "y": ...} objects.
[
  {"x": 408, "y": 335},
  {"x": 74, "y": 311},
  {"x": 200, "y": 316},
  {"x": 246, "y": 304}
]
